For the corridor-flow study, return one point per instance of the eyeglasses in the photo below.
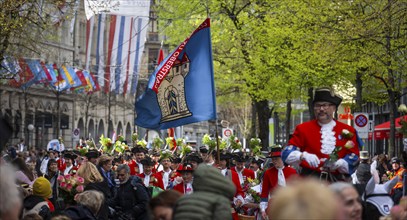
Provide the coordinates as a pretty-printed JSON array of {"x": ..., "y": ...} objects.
[
  {"x": 323, "y": 106},
  {"x": 121, "y": 174}
]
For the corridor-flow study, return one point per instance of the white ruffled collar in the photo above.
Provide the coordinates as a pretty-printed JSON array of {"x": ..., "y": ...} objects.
[{"x": 328, "y": 140}]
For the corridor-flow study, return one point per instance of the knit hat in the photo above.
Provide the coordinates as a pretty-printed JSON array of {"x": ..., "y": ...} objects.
[{"x": 42, "y": 188}]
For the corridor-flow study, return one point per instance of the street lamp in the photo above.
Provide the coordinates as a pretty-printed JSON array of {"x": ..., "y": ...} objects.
[{"x": 30, "y": 128}]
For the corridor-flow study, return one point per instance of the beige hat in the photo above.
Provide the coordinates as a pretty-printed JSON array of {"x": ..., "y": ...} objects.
[{"x": 364, "y": 155}]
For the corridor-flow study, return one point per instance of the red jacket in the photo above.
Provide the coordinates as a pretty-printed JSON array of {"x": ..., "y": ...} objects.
[
  {"x": 155, "y": 180},
  {"x": 247, "y": 173},
  {"x": 134, "y": 168},
  {"x": 180, "y": 188},
  {"x": 235, "y": 179},
  {"x": 270, "y": 179}
]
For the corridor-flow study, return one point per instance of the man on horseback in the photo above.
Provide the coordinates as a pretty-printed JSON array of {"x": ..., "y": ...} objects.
[{"x": 324, "y": 147}]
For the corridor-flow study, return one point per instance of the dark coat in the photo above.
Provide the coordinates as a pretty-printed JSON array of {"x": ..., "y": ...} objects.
[
  {"x": 103, "y": 188},
  {"x": 79, "y": 213},
  {"x": 31, "y": 202},
  {"x": 132, "y": 198}
]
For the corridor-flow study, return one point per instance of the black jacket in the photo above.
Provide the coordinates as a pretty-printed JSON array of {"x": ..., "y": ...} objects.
[
  {"x": 103, "y": 188},
  {"x": 79, "y": 213},
  {"x": 132, "y": 198},
  {"x": 31, "y": 201}
]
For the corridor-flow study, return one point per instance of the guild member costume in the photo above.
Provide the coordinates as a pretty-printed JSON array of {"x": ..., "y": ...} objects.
[
  {"x": 135, "y": 167},
  {"x": 274, "y": 178},
  {"x": 151, "y": 179},
  {"x": 313, "y": 142},
  {"x": 243, "y": 174},
  {"x": 183, "y": 187}
]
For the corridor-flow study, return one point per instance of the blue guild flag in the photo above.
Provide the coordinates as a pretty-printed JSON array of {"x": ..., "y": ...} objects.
[{"x": 181, "y": 90}]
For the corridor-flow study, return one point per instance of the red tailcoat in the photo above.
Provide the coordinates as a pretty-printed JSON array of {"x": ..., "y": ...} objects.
[
  {"x": 247, "y": 173},
  {"x": 180, "y": 188},
  {"x": 235, "y": 179},
  {"x": 61, "y": 165},
  {"x": 270, "y": 179},
  {"x": 158, "y": 182},
  {"x": 307, "y": 137},
  {"x": 134, "y": 169}
]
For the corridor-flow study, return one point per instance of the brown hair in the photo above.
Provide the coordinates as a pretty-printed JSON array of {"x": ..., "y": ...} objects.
[
  {"x": 90, "y": 173},
  {"x": 166, "y": 198},
  {"x": 20, "y": 164},
  {"x": 104, "y": 159}
]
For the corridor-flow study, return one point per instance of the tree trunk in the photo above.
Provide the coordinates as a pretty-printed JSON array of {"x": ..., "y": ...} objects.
[
  {"x": 288, "y": 121},
  {"x": 310, "y": 100},
  {"x": 253, "y": 122},
  {"x": 359, "y": 87},
  {"x": 263, "y": 114}
]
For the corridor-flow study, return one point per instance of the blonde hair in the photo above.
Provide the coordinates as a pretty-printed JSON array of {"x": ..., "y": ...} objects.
[
  {"x": 90, "y": 173},
  {"x": 92, "y": 199},
  {"x": 305, "y": 199}
]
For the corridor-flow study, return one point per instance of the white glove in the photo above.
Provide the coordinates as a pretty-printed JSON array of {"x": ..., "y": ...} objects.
[
  {"x": 263, "y": 206},
  {"x": 311, "y": 159}
]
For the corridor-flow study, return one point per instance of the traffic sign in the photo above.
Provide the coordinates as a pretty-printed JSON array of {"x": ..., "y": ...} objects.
[
  {"x": 227, "y": 132},
  {"x": 361, "y": 122}
]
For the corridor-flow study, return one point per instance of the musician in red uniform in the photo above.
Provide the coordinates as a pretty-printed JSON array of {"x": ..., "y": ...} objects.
[{"x": 274, "y": 177}]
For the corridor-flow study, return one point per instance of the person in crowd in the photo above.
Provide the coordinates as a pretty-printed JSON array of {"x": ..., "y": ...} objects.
[
  {"x": 211, "y": 197},
  {"x": 397, "y": 170},
  {"x": 306, "y": 199},
  {"x": 274, "y": 177},
  {"x": 149, "y": 178},
  {"x": 132, "y": 196},
  {"x": 313, "y": 142},
  {"x": 52, "y": 176},
  {"x": 349, "y": 200},
  {"x": 166, "y": 174},
  {"x": 223, "y": 165},
  {"x": 175, "y": 163},
  {"x": 383, "y": 166},
  {"x": 255, "y": 165},
  {"x": 38, "y": 202},
  {"x": 243, "y": 173},
  {"x": 135, "y": 165},
  {"x": 155, "y": 156},
  {"x": 44, "y": 163},
  {"x": 12, "y": 152},
  {"x": 40, "y": 157},
  {"x": 206, "y": 156},
  {"x": 161, "y": 207},
  {"x": 21, "y": 146},
  {"x": 363, "y": 173},
  {"x": 184, "y": 185},
  {"x": 105, "y": 168},
  {"x": 194, "y": 159},
  {"x": 88, "y": 205},
  {"x": 93, "y": 180},
  {"x": 9, "y": 208},
  {"x": 92, "y": 156},
  {"x": 68, "y": 165},
  {"x": 24, "y": 174}
]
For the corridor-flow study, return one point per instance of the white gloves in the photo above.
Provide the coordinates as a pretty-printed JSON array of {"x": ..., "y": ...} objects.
[
  {"x": 263, "y": 206},
  {"x": 311, "y": 159}
]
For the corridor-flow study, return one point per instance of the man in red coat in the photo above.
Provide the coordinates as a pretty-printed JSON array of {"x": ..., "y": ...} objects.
[
  {"x": 314, "y": 142},
  {"x": 135, "y": 165},
  {"x": 150, "y": 178},
  {"x": 274, "y": 177},
  {"x": 242, "y": 172}
]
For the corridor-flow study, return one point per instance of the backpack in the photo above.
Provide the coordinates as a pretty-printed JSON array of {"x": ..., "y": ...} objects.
[{"x": 137, "y": 183}]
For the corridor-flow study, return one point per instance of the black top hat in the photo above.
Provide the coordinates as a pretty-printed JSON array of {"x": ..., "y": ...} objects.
[
  {"x": 70, "y": 156},
  {"x": 175, "y": 160},
  {"x": 239, "y": 157},
  {"x": 147, "y": 161},
  {"x": 275, "y": 151},
  {"x": 194, "y": 157},
  {"x": 204, "y": 149},
  {"x": 258, "y": 161},
  {"x": 92, "y": 154},
  {"x": 327, "y": 95},
  {"x": 138, "y": 149}
]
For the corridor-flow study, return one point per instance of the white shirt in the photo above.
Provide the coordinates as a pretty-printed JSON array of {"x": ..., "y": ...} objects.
[
  {"x": 224, "y": 171},
  {"x": 147, "y": 179},
  {"x": 188, "y": 188},
  {"x": 67, "y": 169},
  {"x": 166, "y": 178},
  {"x": 240, "y": 174},
  {"x": 140, "y": 168}
]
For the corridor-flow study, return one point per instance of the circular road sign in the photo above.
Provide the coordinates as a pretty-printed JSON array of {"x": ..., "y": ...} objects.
[
  {"x": 227, "y": 132},
  {"x": 361, "y": 120}
]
